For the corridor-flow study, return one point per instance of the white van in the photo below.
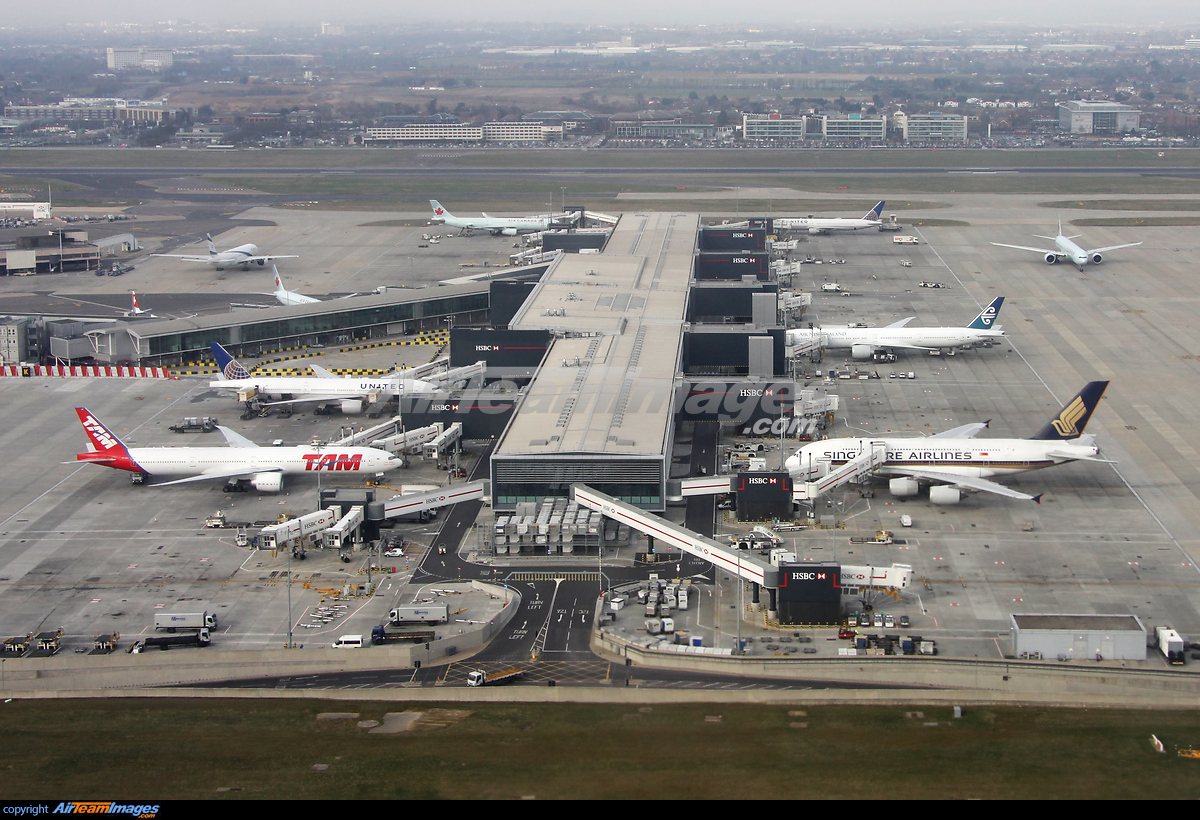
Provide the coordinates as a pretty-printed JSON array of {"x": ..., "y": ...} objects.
[{"x": 349, "y": 642}]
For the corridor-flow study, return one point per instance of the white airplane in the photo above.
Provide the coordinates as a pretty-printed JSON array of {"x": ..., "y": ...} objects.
[
  {"x": 289, "y": 297},
  {"x": 497, "y": 225},
  {"x": 864, "y": 341},
  {"x": 1064, "y": 248},
  {"x": 263, "y": 467},
  {"x": 351, "y": 394},
  {"x": 954, "y": 461},
  {"x": 241, "y": 255},
  {"x": 817, "y": 225},
  {"x": 137, "y": 311}
]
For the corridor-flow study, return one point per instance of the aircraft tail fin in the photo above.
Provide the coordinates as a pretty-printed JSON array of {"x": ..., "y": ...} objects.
[
  {"x": 100, "y": 438},
  {"x": 279, "y": 288},
  {"x": 136, "y": 309},
  {"x": 212, "y": 249},
  {"x": 987, "y": 316},
  {"x": 875, "y": 212},
  {"x": 438, "y": 211},
  {"x": 1071, "y": 421},
  {"x": 231, "y": 369}
]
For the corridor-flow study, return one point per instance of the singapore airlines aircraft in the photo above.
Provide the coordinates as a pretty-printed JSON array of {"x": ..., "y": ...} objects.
[
  {"x": 241, "y": 255},
  {"x": 863, "y": 341},
  {"x": 263, "y": 467},
  {"x": 497, "y": 225},
  {"x": 954, "y": 461},
  {"x": 1064, "y": 248},
  {"x": 817, "y": 225}
]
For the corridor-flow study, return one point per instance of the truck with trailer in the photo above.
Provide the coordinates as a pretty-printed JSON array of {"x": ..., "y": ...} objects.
[
  {"x": 905, "y": 240},
  {"x": 194, "y": 424},
  {"x": 1171, "y": 644},
  {"x": 430, "y": 614},
  {"x": 478, "y": 677},
  {"x": 171, "y": 621},
  {"x": 384, "y": 633},
  {"x": 199, "y": 638}
]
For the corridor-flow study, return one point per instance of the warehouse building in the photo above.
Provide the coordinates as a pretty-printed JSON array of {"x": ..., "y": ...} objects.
[
  {"x": 1067, "y": 637},
  {"x": 1093, "y": 117}
]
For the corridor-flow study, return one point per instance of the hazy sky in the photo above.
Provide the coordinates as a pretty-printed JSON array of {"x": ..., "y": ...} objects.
[{"x": 862, "y": 13}]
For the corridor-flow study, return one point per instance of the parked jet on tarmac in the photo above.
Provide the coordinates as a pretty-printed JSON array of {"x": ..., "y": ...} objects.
[
  {"x": 136, "y": 311},
  {"x": 241, "y": 255},
  {"x": 498, "y": 225},
  {"x": 351, "y": 394},
  {"x": 1064, "y": 248},
  {"x": 954, "y": 461},
  {"x": 263, "y": 467},
  {"x": 289, "y": 297},
  {"x": 817, "y": 225},
  {"x": 863, "y": 342}
]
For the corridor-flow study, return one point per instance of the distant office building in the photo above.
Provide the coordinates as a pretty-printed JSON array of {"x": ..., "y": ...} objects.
[
  {"x": 461, "y": 132},
  {"x": 147, "y": 59},
  {"x": 77, "y": 109},
  {"x": 662, "y": 129},
  {"x": 1092, "y": 117},
  {"x": 931, "y": 127},
  {"x": 772, "y": 127},
  {"x": 854, "y": 127},
  {"x": 332, "y": 29}
]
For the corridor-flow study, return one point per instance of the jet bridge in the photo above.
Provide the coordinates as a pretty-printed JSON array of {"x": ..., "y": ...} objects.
[
  {"x": 746, "y": 566},
  {"x": 872, "y": 457},
  {"x": 409, "y": 440},
  {"x": 443, "y": 442},
  {"x": 336, "y": 535},
  {"x": 412, "y": 503}
]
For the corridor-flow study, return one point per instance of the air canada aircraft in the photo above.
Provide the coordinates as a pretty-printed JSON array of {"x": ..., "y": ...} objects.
[
  {"x": 954, "y": 461},
  {"x": 350, "y": 393},
  {"x": 497, "y": 225},
  {"x": 817, "y": 225},
  {"x": 1064, "y": 248},
  {"x": 289, "y": 297},
  {"x": 864, "y": 341},
  {"x": 263, "y": 467},
  {"x": 241, "y": 255}
]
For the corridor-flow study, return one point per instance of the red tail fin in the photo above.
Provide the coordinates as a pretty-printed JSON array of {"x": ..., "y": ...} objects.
[
  {"x": 99, "y": 435},
  {"x": 135, "y": 307}
]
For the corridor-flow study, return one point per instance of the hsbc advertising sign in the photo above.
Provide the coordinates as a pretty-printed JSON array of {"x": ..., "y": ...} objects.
[{"x": 753, "y": 406}]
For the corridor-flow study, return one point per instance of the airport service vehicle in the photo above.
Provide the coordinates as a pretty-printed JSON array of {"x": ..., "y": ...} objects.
[
  {"x": 497, "y": 225},
  {"x": 1170, "y": 643},
  {"x": 1065, "y": 249},
  {"x": 864, "y": 342},
  {"x": 197, "y": 424},
  {"x": 171, "y": 621},
  {"x": 423, "y": 614},
  {"x": 819, "y": 225},
  {"x": 351, "y": 394},
  {"x": 385, "y": 634},
  {"x": 200, "y": 637},
  {"x": 262, "y": 467},
  {"x": 349, "y": 642},
  {"x": 954, "y": 461},
  {"x": 905, "y": 240},
  {"x": 241, "y": 255},
  {"x": 831, "y": 287},
  {"x": 478, "y": 677}
]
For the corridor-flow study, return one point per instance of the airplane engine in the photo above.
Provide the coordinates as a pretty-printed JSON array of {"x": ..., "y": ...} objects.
[
  {"x": 261, "y": 262},
  {"x": 509, "y": 232},
  {"x": 352, "y": 406},
  {"x": 1051, "y": 259},
  {"x": 1097, "y": 259},
  {"x": 814, "y": 231},
  {"x": 903, "y": 487},
  {"x": 267, "y": 482},
  {"x": 944, "y": 495},
  {"x": 861, "y": 352}
]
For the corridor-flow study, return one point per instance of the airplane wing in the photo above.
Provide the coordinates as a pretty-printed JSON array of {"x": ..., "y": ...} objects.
[
  {"x": 981, "y": 484},
  {"x": 966, "y": 431},
  {"x": 263, "y": 258},
  {"x": 322, "y": 372},
  {"x": 1073, "y": 457},
  {"x": 1113, "y": 248},
  {"x": 903, "y": 345},
  {"x": 1026, "y": 248},
  {"x": 243, "y": 473},
  {"x": 185, "y": 257},
  {"x": 235, "y": 439},
  {"x": 342, "y": 397},
  {"x": 901, "y": 323}
]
